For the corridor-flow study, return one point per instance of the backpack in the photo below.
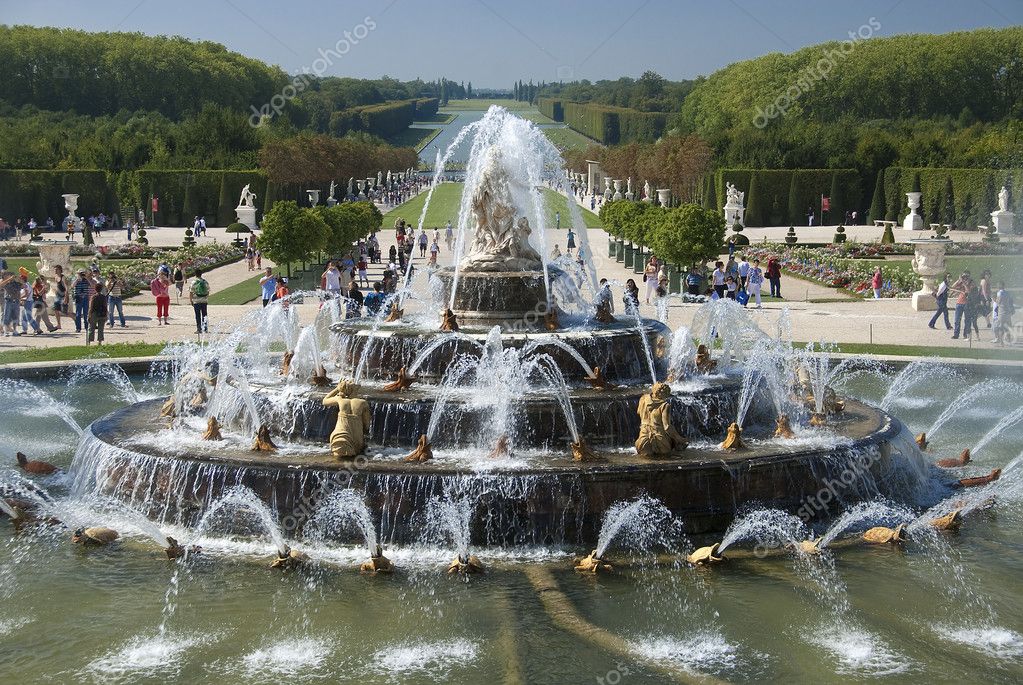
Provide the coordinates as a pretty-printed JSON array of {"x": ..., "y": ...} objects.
[{"x": 201, "y": 288}]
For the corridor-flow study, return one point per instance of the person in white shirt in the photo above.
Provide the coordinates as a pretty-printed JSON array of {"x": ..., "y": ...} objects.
[
  {"x": 754, "y": 281},
  {"x": 718, "y": 278},
  {"x": 332, "y": 280},
  {"x": 744, "y": 268},
  {"x": 449, "y": 236}
]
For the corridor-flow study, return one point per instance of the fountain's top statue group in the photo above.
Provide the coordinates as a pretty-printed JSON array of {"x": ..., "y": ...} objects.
[{"x": 501, "y": 243}]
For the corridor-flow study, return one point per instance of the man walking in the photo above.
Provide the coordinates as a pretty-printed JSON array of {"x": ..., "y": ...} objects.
[
  {"x": 198, "y": 296},
  {"x": 960, "y": 290},
  {"x": 774, "y": 276},
  {"x": 941, "y": 296},
  {"x": 80, "y": 288}
]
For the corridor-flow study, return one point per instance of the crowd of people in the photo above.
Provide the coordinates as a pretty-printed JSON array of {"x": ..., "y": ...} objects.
[
  {"x": 93, "y": 302},
  {"x": 972, "y": 301}
]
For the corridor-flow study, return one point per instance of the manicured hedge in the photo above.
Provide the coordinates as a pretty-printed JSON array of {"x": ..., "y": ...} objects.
[
  {"x": 551, "y": 108},
  {"x": 187, "y": 193},
  {"x": 612, "y": 125},
  {"x": 427, "y": 107},
  {"x": 965, "y": 197},
  {"x": 775, "y": 197},
  {"x": 37, "y": 193},
  {"x": 384, "y": 120}
]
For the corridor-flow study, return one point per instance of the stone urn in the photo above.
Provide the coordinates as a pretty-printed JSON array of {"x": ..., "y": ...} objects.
[
  {"x": 664, "y": 197},
  {"x": 913, "y": 221},
  {"x": 314, "y": 197},
  {"x": 53, "y": 253},
  {"x": 618, "y": 189},
  {"x": 929, "y": 265}
]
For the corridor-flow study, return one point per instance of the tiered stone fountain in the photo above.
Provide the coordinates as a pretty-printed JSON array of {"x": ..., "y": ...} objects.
[{"x": 513, "y": 393}]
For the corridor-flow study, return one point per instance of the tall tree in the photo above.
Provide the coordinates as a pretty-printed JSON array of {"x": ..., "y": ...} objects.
[{"x": 290, "y": 233}]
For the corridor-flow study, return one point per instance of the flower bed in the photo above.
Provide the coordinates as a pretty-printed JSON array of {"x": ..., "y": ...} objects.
[
  {"x": 137, "y": 274},
  {"x": 832, "y": 267}
]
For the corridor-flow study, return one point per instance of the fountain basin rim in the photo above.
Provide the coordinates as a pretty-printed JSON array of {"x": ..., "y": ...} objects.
[{"x": 875, "y": 427}]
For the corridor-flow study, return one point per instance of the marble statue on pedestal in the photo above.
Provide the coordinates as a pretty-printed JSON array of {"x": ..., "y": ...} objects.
[
  {"x": 246, "y": 209},
  {"x": 1003, "y": 219},
  {"x": 500, "y": 243}
]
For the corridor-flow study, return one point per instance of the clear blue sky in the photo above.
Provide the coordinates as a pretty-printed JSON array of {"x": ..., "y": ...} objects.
[{"x": 494, "y": 43}]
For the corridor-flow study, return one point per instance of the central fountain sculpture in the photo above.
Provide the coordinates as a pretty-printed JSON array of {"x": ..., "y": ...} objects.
[{"x": 541, "y": 422}]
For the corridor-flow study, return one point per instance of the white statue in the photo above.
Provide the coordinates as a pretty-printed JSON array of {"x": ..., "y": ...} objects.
[
  {"x": 647, "y": 191},
  {"x": 734, "y": 197},
  {"x": 248, "y": 198},
  {"x": 1003, "y": 200},
  {"x": 333, "y": 187},
  {"x": 499, "y": 242}
]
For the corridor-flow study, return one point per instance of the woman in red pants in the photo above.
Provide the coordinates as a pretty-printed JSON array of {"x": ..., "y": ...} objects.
[{"x": 160, "y": 287}]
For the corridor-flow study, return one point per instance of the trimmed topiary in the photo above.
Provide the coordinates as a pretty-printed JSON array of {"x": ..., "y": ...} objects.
[
  {"x": 839, "y": 236},
  {"x": 790, "y": 237},
  {"x": 238, "y": 228},
  {"x": 739, "y": 238}
]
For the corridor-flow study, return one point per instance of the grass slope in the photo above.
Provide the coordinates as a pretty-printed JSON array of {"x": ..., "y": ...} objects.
[{"x": 445, "y": 204}]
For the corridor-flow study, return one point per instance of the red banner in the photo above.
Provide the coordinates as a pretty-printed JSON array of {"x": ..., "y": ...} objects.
[
  {"x": 156, "y": 204},
  {"x": 825, "y": 203}
]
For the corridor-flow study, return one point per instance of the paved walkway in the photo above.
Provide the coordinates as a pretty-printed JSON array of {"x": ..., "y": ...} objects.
[{"x": 853, "y": 321}]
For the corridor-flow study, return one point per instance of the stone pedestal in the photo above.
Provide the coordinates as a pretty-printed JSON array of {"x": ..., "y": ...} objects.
[
  {"x": 53, "y": 253},
  {"x": 734, "y": 214},
  {"x": 928, "y": 264},
  {"x": 618, "y": 189},
  {"x": 913, "y": 221},
  {"x": 1002, "y": 221},
  {"x": 247, "y": 216}
]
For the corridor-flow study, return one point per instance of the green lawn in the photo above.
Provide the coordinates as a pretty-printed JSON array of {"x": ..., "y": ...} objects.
[
  {"x": 567, "y": 139},
  {"x": 475, "y": 104},
  {"x": 961, "y": 352},
  {"x": 14, "y": 263},
  {"x": 445, "y": 204},
  {"x": 438, "y": 118},
  {"x": 417, "y": 138},
  {"x": 55, "y": 354},
  {"x": 239, "y": 293},
  {"x": 1003, "y": 267}
]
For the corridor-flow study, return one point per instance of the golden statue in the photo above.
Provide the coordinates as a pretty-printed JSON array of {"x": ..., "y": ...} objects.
[
  {"x": 733, "y": 441},
  {"x": 465, "y": 565},
  {"x": 422, "y": 452},
  {"x": 502, "y": 450},
  {"x": 597, "y": 380},
  {"x": 593, "y": 564},
  {"x": 921, "y": 441},
  {"x": 448, "y": 322},
  {"x": 377, "y": 563},
  {"x": 706, "y": 555},
  {"x": 704, "y": 363},
  {"x": 783, "y": 428},
  {"x": 402, "y": 382},
  {"x": 212, "y": 429},
  {"x": 395, "y": 314},
  {"x": 168, "y": 410},
  {"x": 582, "y": 452},
  {"x": 883, "y": 535},
  {"x": 349, "y": 435},
  {"x": 263, "y": 442},
  {"x": 962, "y": 460},
  {"x": 286, "y": 363},
  {"x": 951, "y": 521},
  {"x": 657, "y": 436}
]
